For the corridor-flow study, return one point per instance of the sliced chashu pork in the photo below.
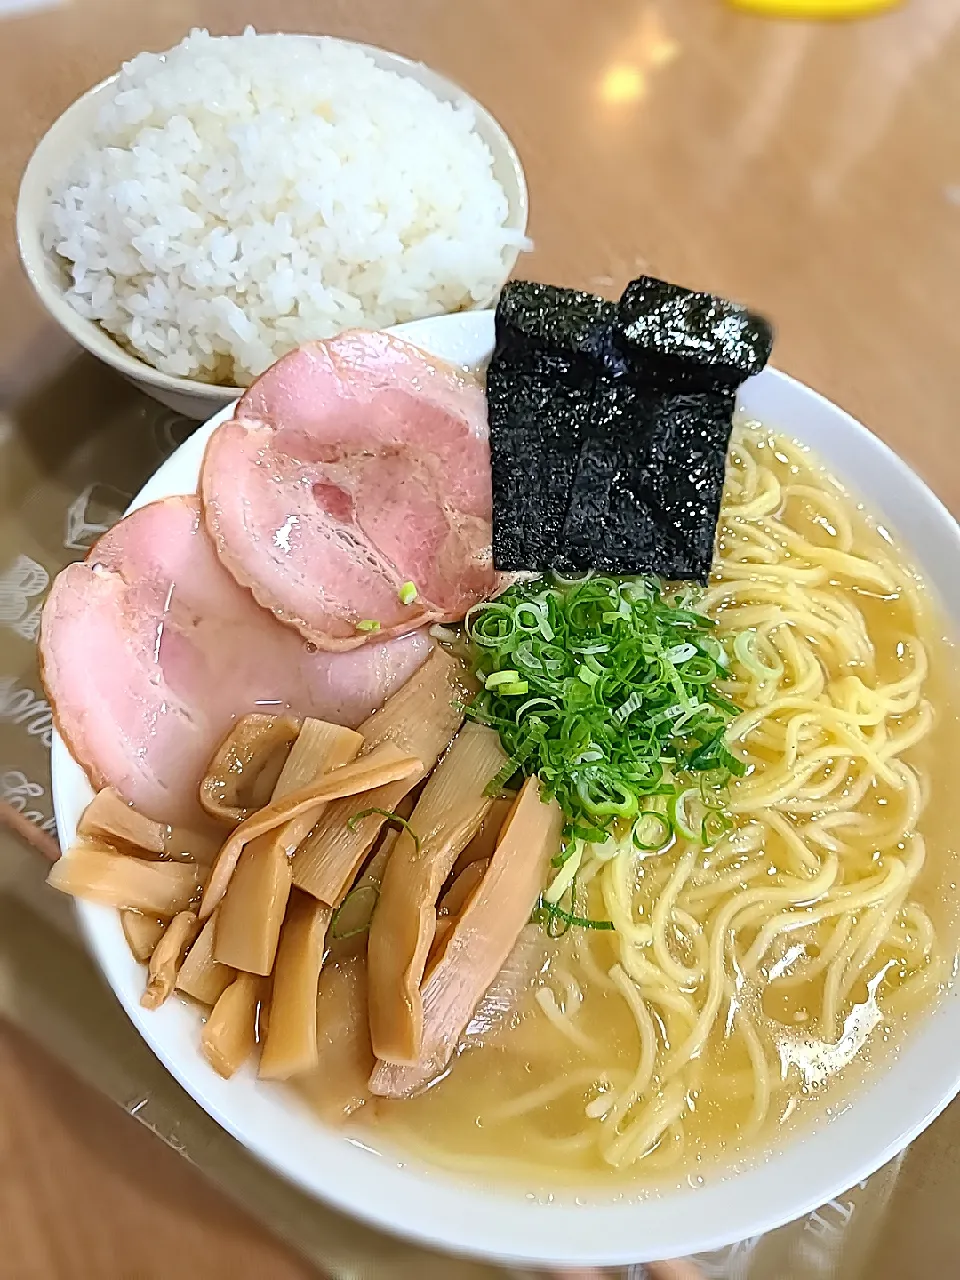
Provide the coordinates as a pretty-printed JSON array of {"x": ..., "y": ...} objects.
[
  {"x": 352, "y": 468},
  {"x": 149, "y": 650}
]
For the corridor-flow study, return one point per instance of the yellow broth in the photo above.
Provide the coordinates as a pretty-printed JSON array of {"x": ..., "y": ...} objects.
[{"x": 521, "y": 1102}]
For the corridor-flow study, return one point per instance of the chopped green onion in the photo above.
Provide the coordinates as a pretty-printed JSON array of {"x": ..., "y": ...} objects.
[
  {"x": 715, "y": 824},
  {"x": 390, "y": 816},
  {"x": 679, "y": 819},
  {"x": 368, "y": 624},
  {"x": 651, "y": 832},
  {"x": 566, "y": 874},
  {"x": 549, "y": 913},
  {"x": 724, "y": 704},
  {"x": 605, "y": 689},
  {"x": 715, "y": 650},
  {"x": 351, "y": 917},
  {"x": 501, "y": 677},
  {"x": 681, "y": 653},
  {"x": 568, "y": 849},
  {"x": 669, "y": 713},
  {"x": 626, "y": 709},
  {"x": 408, "y": 593},
  {"x": 571, "y": 579},
  {"x": 506, "y": 771},
  {"x": 490, "y": 625},
  {"x": 540, "y": 619},
  {"x": 544, "y": 706},
  {"x": 590, "y": 835}
]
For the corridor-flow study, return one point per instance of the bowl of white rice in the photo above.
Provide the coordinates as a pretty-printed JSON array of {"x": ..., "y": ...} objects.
[{"x": 207, "y": 209}]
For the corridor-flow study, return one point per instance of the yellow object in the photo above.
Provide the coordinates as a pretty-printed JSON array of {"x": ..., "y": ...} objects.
[
  {"x": 623, "y": 84},
  {"x": 816, "y": 8}
]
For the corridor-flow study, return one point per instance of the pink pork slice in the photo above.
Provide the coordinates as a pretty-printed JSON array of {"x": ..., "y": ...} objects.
[
  {"x": 351, "y": 468},
  {"x": 149, "y": 650}
]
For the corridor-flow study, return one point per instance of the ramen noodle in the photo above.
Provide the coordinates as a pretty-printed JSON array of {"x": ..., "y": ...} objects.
[{"x": 741, "y": 977}]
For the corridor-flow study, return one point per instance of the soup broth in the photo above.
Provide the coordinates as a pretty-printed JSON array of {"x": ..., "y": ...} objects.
[{"x": 747, "y": 981}]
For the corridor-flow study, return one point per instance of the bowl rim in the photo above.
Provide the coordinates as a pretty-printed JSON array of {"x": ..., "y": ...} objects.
[
  {"x": 95, "y": 339},
  {"x": 878, "y": 1119}
]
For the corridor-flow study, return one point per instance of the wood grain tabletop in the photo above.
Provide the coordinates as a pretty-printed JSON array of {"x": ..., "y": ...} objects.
[{"x": 810, "y": 170}]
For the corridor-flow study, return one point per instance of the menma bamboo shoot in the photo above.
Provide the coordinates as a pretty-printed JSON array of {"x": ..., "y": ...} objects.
[
  {"x": 100, "y": 874},
  {"x": 201, "y": 976},
  {"x": 252, "y": 912},
  {"x": 445, "y": 820},
  {"x": 290, "y": 1045},
  {"x": 421, "y": 719},
  {"x": 229, "y": 1034}
]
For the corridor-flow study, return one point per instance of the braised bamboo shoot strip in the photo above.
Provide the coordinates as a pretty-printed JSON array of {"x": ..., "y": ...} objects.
[
  {"x": 386, "y": 764},
  {"x": 290, "y": 1046},
  {"x": 452, "y": 904},
  {"x": 355, "y": 912},
  {"x": 252, "y": 910},
  {"x": 229, "y": 1034},
  {"x": 247, "y": 764},
  {"x": 100, "y": 874},
  {"x": 201, "y": 976},
  {"x": 320, "y": 748},
  {"x": 108, "y": 817},
  {"x": 445, "y": 820},
  {"x": 251, "y": 914},
  {"x": 142, "y": 933},
  {"x": 195, "y": 844},
  {"x": 337, "y": 1086},
  {"x": 481, "y": 847},
  {"x": 481, "y": 941},
  {"x": 421, "y": 719},
  {"x": 167, "y": 959},
  {"x": 461, "y": 890}
]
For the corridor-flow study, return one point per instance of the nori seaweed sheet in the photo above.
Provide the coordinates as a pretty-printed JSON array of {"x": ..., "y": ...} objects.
[
  {"x": 674, "y": 335},
  {"x": 540, "y": 385},
  {"x": 646, "y": 496},
  {"x": 609, "y": 425},
  {"x": 535, "y": 318},
  {"x": 542, "y": 409}
]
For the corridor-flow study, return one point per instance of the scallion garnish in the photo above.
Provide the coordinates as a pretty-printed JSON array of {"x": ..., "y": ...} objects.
[
  {"x": 408, "y": 593},
  {"x": 651, "y": 832},
  {"x": 390, "y": 816},
  {"x": 558, "y": 920},
  {"x": 620, "y": 711},
  {"x": 501, "y": 677},
  {"x": 368, "y": 624},
  {"x": 353, "y": 914}
]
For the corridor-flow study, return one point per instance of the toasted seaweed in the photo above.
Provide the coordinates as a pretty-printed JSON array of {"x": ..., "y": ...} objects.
[
  {"x": 667, "y": 332},
  {"x": 609, "y": 425},
  {"x": 542, "y": 318},
  {"x": 540, "y": 385},
  {"x": 537, "y": 410},
  {"x": 632, "y": 508}
]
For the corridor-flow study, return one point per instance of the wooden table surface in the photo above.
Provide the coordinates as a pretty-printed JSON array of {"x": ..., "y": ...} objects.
[{"x": 811, "y": 171}]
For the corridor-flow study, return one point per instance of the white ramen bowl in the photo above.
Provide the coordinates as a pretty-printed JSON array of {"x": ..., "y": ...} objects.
[
  {"x": 897, "y": 1102},
  {"x": 48, "y": 274}
]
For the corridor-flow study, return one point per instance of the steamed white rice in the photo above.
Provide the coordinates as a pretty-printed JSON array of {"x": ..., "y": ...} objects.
[{"x": 243, "y": 195}]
